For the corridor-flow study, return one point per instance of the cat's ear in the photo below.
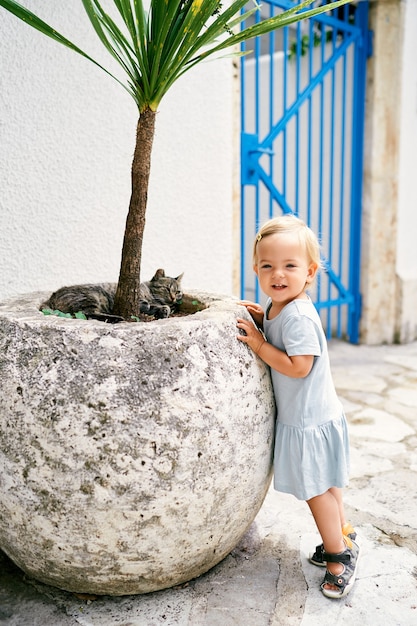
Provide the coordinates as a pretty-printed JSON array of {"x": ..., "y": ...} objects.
[
  {"x": 159, "y": 274},
  {"x": 179, "y": 278}
]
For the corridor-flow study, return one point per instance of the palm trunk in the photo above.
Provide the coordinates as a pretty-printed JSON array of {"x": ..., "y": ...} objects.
[{"x": 127, "y": 298}]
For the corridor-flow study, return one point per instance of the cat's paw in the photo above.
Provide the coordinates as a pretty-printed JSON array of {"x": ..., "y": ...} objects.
[
  {"x": 162, "y": 312},
  {"x": 144, "y": 307}
]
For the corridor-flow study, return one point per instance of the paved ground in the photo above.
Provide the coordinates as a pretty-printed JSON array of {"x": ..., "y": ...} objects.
[{"x": 267, "y": 580}]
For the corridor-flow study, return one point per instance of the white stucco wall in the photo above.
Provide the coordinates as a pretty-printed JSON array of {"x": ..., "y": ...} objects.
[
  {"x": 67, "y": 135},
  {"x": 407, "y": 181}
]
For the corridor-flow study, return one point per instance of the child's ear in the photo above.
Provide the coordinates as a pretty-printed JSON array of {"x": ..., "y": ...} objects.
[
  {"x": 255, "y": 269},
  {"x": 311, "y": 272}
]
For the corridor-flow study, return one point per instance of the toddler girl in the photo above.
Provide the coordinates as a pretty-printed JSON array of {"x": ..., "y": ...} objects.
[{"x": 311, "y": 459}]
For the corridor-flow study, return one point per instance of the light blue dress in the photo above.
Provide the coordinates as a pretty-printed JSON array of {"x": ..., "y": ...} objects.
[{"x": 311, "y": 441}]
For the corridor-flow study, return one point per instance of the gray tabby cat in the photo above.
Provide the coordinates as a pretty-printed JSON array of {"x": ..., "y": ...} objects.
[{"x": 160, "y": 296}]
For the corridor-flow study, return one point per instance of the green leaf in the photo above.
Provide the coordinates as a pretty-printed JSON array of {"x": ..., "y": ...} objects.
[{"x": 59, "y": 313}]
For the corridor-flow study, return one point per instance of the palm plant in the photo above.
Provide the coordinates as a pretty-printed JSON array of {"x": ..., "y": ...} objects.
[{"x": 155, "y": 47}]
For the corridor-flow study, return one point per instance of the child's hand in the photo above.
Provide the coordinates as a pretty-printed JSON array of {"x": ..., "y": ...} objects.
[
  {"x": 250, "y": 335},
  {"x": 255, "y": 310}
]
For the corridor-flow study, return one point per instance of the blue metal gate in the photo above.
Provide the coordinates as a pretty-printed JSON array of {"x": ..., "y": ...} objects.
[{"x": 303, "y": 101}]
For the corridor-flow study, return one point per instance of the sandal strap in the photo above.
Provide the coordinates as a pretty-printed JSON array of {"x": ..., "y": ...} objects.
[
  {"x": 341, "y": 557},
  {"x": 333, "y": 579},
  {"x": 345, "y": 579}
]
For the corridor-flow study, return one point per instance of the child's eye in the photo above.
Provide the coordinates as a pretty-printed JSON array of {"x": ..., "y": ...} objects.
[
  {"x": 291, "y": 265},
  {"x": 266, "y": 266}
]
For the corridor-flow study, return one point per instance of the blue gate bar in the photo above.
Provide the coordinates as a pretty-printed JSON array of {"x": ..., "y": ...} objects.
[
  {"x": 318, "y": 79},
  {"x": 362, "y": 50}
]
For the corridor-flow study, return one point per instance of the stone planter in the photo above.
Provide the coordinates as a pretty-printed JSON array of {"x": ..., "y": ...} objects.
[{"x": 133, "y": 457}]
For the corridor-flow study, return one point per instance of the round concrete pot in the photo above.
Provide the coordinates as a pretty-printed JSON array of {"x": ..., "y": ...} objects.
[{"x": 133, "y": 457}]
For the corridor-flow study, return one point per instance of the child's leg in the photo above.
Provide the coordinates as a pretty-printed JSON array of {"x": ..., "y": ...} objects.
[
  {"x": 326, "y": 512},
  {"x": 316, "y": 557},
  {"x": 338, "y": 495},
  {"x": 347, "y": 528}
]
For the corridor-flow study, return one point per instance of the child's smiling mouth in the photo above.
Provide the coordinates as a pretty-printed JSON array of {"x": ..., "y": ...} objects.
[{"x": 279, "y": 287}]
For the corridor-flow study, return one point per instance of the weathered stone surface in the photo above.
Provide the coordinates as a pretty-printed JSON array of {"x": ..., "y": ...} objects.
[{"x": 132, "y": 457}]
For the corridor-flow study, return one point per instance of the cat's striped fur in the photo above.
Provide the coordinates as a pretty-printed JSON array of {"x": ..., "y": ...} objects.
[{"x": 160, "y": 296}]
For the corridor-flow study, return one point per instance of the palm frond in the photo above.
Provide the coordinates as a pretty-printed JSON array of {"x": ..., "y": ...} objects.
[
  {"x": 115, "y": 41},
  {"x": 156, "y": 47},
  {"x": 208, "y": 39}
]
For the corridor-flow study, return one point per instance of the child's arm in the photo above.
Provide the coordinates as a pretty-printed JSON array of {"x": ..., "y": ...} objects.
[
  {"x": 255, "y": 310},
  {"x": 293, "y": 366}
]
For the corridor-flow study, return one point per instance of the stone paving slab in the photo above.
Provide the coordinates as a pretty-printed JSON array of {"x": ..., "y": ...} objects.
[
  {"x": 267, "y": 580},
  {"x": 375, "y": 598}
]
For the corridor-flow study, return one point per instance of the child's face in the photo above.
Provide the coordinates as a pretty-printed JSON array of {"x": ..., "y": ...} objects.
[{"x": 283, "y": 268}]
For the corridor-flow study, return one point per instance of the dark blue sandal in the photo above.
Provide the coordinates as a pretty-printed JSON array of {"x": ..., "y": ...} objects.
[
  {"x": 317, "y": 556},
  {"x": 345, "y": 580}
]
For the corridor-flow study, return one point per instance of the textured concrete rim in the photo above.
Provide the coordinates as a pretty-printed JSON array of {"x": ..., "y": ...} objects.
[{"x": 197, "y": 444}]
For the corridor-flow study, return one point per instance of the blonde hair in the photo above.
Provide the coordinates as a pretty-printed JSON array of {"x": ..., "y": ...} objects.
[{"x": 289, "y": 223}]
